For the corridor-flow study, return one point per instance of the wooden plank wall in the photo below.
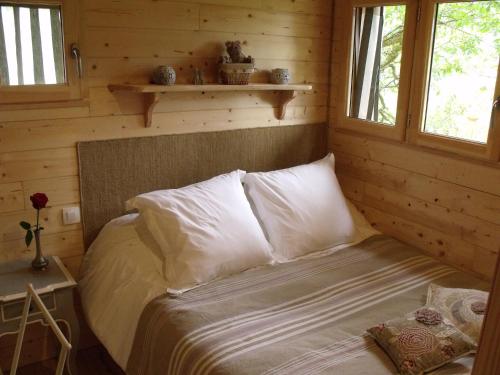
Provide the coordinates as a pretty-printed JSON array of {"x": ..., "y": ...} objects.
[
  {"x": 446, "y": 205},
  {"x": 122, "y": 41}
]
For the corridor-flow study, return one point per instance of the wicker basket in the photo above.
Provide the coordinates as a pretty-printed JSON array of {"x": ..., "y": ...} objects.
[{"x": 236, "y": 74}]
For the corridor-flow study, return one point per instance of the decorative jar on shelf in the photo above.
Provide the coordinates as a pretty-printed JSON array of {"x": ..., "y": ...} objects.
[
  {"x": 280, "y": 76},
  {"x": 164, "y": 75}
]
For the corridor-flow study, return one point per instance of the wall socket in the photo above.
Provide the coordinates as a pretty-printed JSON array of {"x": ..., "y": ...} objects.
[{"x": 71, "y": 215}]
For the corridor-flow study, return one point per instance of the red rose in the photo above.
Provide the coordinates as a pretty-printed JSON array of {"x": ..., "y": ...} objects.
[{"x": 39, "y": 200}]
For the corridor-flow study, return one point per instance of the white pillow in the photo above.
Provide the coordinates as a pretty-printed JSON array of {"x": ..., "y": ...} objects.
[
  {"x": 302, "y": 208},
  {"x": 206, "y": 230}
]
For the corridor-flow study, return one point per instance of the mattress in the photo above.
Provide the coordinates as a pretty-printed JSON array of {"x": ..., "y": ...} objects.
[{"x": 303, "y": 317}]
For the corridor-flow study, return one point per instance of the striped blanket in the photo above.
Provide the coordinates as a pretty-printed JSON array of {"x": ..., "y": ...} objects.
[{"x": 304, "y": 317}]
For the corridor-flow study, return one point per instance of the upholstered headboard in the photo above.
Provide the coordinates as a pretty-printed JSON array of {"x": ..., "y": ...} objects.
[{"x": 113, "y": 171}]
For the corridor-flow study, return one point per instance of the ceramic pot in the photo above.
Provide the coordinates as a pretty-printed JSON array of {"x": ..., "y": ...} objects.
[
  {"x": 164, "y": 75},
  {"x": 280, "y": 76}
]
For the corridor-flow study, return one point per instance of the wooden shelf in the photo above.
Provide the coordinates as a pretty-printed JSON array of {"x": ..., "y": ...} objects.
[{"x": 153, "y": 93}]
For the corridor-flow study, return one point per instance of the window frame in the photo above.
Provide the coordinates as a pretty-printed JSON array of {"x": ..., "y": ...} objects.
[
  {"x": 412, "y": 94},
  {"x": 344, "y": 121},
  {"x": 72, "y": 89},
  {"x": 416, "y": 134}
]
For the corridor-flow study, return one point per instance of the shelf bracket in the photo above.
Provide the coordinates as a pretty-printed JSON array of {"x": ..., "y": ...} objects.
[
  {"x": 285, "y": 98},
  {"x": 151, "y": 100}
]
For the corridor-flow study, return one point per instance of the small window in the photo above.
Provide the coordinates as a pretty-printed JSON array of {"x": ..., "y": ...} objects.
[
  {"x": 31, "y": 45},
  {"x": 456, "y": 83},
  {"x": 39, "y": 55},
  {"x": 377, "y": 42},
  {"x": 377, "y": 46},
  {"x": 463, "y": 70}
]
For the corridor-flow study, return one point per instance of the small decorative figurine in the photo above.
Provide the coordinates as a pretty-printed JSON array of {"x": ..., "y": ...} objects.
[
  {"x": 236, "y": 68},
  {"x": 39, "y": 201},
  {"x": 280, "y": 76},
  {"x": 197, "y": 77},
  {"x": 164, "y": 75},
  {"x": 236, "y": 56}
]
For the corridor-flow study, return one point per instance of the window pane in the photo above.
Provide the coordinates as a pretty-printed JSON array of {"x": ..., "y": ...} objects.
[
  {"x": 31, "y": 45},
  {"x": 376, "y": 62},
  {"x": 464, "y": 70}
]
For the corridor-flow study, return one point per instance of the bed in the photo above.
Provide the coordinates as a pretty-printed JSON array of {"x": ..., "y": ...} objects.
[{"x": 306, "y": 316}]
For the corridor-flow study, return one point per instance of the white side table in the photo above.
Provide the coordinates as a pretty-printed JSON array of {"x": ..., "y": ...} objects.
[{"x": 54, "y": 286}]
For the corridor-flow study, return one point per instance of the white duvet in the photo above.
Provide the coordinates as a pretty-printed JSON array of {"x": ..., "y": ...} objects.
[
  {"x": 123, "y": 271},
  {"x": 118, "y": 280}
]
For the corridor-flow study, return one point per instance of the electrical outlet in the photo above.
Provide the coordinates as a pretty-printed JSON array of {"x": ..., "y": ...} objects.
[{"x": 71, "y": 215}]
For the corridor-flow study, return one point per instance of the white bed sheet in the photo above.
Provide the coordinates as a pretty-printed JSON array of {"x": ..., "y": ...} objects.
[{"x": 123, "y": 271}]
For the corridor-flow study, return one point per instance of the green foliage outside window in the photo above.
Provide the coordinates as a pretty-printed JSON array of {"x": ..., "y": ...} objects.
[{"x": 464, "y": 68}]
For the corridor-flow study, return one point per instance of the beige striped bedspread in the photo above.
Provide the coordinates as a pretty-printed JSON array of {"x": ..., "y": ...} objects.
[{"x": 304, "y": 317}]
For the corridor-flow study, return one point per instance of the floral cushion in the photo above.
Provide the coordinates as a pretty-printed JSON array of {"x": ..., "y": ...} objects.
[
  {"x": 465, "y": 308},
  {"x": 421, "y": 341}
]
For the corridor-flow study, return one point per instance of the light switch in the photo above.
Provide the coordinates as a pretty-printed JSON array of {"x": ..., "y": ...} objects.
[{"x": 71, "y": 215}]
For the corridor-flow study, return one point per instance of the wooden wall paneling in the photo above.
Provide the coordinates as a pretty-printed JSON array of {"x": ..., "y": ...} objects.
[
  {"x": 482, "y": 176},
  {"x": 133, "y": 14},
  {"x": 110, "y": 42},
  {"x": 296, "y": 6},
  {"x": 62, "y": 135},
  {"x": 11, "y": 197},
  {"x": 469, "y": 229},
  {"x": 431, "y": 226},
  {"x": 300, "y": 6},
  {"x": 460, "y": 198},
  {"x": 228, "y": 19},
  {"x": 18, "y": 113},
  {"x": 436, "y": 206},
  {"x": 304, "y": 115},
  {"x": 448, "y": 249},
  {"x": 256, "y": 4},
  {"x": 37, "y": 164},
  {"x": 433, "y": 215},
  {"x": 122, "y": 41},
  {"x": 352, "y": 188}
]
